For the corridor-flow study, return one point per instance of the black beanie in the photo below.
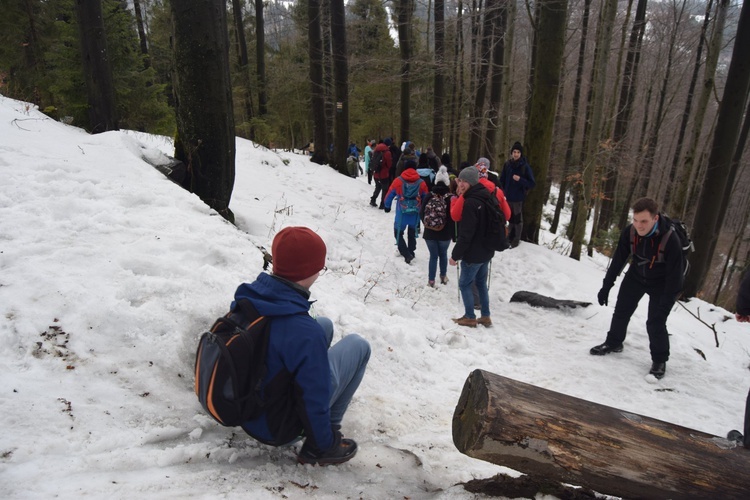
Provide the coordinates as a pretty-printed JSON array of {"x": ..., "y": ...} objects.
[{"x": 517, "y": 145}]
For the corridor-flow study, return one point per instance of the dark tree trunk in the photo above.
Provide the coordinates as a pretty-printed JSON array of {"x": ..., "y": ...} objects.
[
  {"x": 719, "y": 170},
  {"x": 500, "y": 15},
  {"x": 243, "y": 66},
  {"x": 341, "y": 85},
  {"x": 260, "y": 57},
  {"x": 141, "y": 33},
  {"x": 458, "y": 87},
  {"x": 482, "y": 76},
  {"x": 405, "y": 9},
  {"x": 205, "y": 118},
  {"x": 624, "y": 114},
  {"x": 96, "y": 69},
  {"x": 551, "y": 22},
  {"x": 439, "y": 89},
  {"x": 562, "y": 438},
  {"x": 568, "y": 169},
  {"x": 317, "y": 88}
]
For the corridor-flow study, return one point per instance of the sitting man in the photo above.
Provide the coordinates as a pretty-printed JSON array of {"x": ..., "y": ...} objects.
[{"x": 309, "y": 384}]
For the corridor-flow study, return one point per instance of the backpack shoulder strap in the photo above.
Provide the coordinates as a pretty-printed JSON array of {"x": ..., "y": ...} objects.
[{"x": 663, "y": 243}]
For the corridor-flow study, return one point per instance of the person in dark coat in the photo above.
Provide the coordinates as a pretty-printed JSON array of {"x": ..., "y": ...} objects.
[
  {"x": 438, "y": 241},
  {"x": 381, "y": 175},
  {"x": 309, "y": 383},
  {"x": 471, "y": 249},
  {"x": 659, "y": 277},
  {"x": 516, "y": 180},
  {"x": 743, "y": 316}
]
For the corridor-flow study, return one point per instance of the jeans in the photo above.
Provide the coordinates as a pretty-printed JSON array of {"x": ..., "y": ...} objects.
[
  {"x": 631, "y": 292},
  {"x": 474, "y": 273},
  {"x": 404, "y": 249},
  {"x": 438, "y": 250},
  {"x": 347, "y": 360}
]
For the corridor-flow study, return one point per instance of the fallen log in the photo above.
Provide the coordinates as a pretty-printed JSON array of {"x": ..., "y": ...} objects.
[
  {"x": 547, "y": 434},
  {"x": 537, "y": 300}
]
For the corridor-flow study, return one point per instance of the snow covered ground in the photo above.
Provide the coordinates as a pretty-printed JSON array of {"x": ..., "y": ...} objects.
[{"x": 109, "y": 273}]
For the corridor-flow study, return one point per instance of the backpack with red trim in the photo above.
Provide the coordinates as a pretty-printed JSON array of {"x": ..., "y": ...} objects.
[
  {"x": 230, "y": 365},
  {"x": 680, "y": 230}
]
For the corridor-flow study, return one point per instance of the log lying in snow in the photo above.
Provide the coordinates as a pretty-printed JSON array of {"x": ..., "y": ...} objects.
[
  {"x": 548, "y": 434},
  {"x": 537, "y": 300}
]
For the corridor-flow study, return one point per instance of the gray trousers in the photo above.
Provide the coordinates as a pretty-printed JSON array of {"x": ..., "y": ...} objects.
[{"x": 516, "y": 221}]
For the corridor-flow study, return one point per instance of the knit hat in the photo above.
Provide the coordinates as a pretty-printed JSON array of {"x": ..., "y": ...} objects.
[
  {"x": 298, "y": 253},
  {"x": 482, "y": 165},
  {"x": 442, "y": 176},
  {"x": 517, "y": 145},
  {"x": 388, "y": 141},
  {"x": 470, "y": 175}
]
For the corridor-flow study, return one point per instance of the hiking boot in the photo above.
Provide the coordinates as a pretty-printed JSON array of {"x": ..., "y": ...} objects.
[
  {"x": 485, "y": 321},
  {"x": 431, "y": 283},
  {"x": 373, "y": 204},
  {"x": 605, "y": 348},
  {"x": 409, "y": 258},
  {"x": 464, "y": 321},
  {"x": 658, "y": 369},
  {"x": 342, "y": 451},
  {"x": 736, "y": 437},
  {"x": 444, "y": 280}
]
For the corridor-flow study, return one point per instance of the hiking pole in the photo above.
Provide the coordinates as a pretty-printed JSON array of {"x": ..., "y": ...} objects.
[
  {"x": 458, "y": 278},
  {"x": 489, "y": 275}
]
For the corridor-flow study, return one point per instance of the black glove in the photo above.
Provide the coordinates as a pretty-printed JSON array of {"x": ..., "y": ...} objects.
[{"x": 603, "y": 296}]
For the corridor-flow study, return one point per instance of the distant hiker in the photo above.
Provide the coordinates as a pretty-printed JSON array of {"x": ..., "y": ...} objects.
[
  {"x": 516, "y": 180},
  {"x": 368, "y": 156},
  {"x": 381, "y": 166},
  {"x": 743, "y": 316},
  {"x": 439, "y": 228},
  {"x": 408, "y": 154},
  {"x": 309, "y": 383},
  {"x": 352, "y": 166},
  {"x": 353, "y": 150},
  {"x": 659, "y": 276},
  {"x": 395, "y": 156},
  {"x": 470, "y": 248},
  {"x": 408, "y": 190}
]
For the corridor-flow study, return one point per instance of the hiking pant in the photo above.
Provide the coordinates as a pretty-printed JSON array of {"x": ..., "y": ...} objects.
[
  {"x": 474, "y": 273},
  {"x": 438, "y": 251},
  {"x": 405, "y": 249},
  {"x": 369, "y": 175},
  {"x": 516, "y": 222},
  {"x": 347, "y": 360},
  {"x": 381, "y": 188},
  {"x": 631, "y": 292}
]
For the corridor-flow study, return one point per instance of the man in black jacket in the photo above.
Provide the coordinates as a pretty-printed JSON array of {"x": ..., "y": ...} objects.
[
  {"x": 656, "y": 269},
  {"x": 471, "y": 249}
]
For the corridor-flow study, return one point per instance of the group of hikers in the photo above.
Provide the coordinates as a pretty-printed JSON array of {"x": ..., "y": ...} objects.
[{"x": 308, "y": 383}]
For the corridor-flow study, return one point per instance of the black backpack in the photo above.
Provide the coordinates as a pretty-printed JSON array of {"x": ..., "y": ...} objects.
[
  {"x": 376, "y": 162},
  {"x": 680, "y": 230},
  {"x": 230, "y": 364},
  {"x": 495, "y": 235}
]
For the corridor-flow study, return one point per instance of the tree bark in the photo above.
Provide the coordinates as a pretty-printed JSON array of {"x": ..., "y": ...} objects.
[
  {"x": 544, "y": 433},
  {"x": 551, "y": 24},
  {"x": 341, "y": 85},
  {"x": 97, "y": 72},
  {"x": 141, "y": 33},
  {"x": 243, "y": 68},
  {"x": 489, "y": 146},
  {"x": 405, "y": 9},
  {"x": 317, "y": 89},
  {"x": 438, "y": 102},
  {"x": 719, "y": 169},
  {"x": 482, "y": 76},
  {"x": 260, "y": 57},
  {"x": 205, "y": 117}
]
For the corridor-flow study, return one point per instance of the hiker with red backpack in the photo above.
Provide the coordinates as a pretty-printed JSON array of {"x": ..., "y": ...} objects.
[
  {"x": 308, "y": 383},
  {"x": 657, "y": 269},
  {"x": 409, "y": 191},
  {"x": 380, "y": 163}
]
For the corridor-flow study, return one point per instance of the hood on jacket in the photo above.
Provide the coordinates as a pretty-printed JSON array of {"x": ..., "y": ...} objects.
[
  {"x": 410, "y": 175},
  {"x": 273, "y": 296}
]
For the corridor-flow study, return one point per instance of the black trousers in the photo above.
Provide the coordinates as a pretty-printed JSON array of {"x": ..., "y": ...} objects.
[
  {"x": 631, "y": 292},
  {"x": 381, "y": 188}
]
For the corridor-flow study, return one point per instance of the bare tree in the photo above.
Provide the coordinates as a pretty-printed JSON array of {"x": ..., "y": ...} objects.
[
  {"x": 243, "y": 67},
  {"x": 317, "y": 89},
  {"x": 405, "y": 8},
  {"x": 341, "y": 85},
  {"x": 439, "y": 88},
  {"x": 260, "y": 57}
]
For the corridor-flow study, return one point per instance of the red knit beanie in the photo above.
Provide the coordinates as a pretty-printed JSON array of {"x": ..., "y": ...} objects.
[{"x": 298, "y": 253}]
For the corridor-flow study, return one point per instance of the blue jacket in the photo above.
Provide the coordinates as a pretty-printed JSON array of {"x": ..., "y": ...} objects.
[
  {"x": 402, "y": 221},
  {"x": 515, "y": 190},
  {"x": 297, "y": 387}
]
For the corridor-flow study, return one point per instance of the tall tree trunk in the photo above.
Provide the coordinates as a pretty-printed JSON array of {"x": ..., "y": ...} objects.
[
  {"x": 568, "y": 168},
  {"x": 260, "y": 58},
  {"x": 317, "y": 88},
  {"x": 439, "y": 88},
  {"x": 405, "y": 9},
  {"x": 96, "y": 69},
  {"x": 243, "y": 66},
  {"x": 141, "y": 33},
  {"x": 594, "y": 117},
  {"x": 679, "y": 203},
  {"x": 551, "y": 21},
  {"x": 719, "y": 169},
  {"x": 489, "y": 148},
  {"x": 341, "y": 85},
  {"x": 480, "y": 94},
  {"x": 205, "y": 118},
  {"x": 534, "y": 21},
  {"x": 508, "y": 70},
  {"x": 623, "y": 116},
  {"x": 672, "y": 177},
  {"x": 458, "y": 87}
]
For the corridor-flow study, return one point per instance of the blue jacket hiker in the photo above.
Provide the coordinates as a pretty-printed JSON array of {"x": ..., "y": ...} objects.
[
  {"x": 309, "y": 383},
  {"x": 410, "y": 190}
]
